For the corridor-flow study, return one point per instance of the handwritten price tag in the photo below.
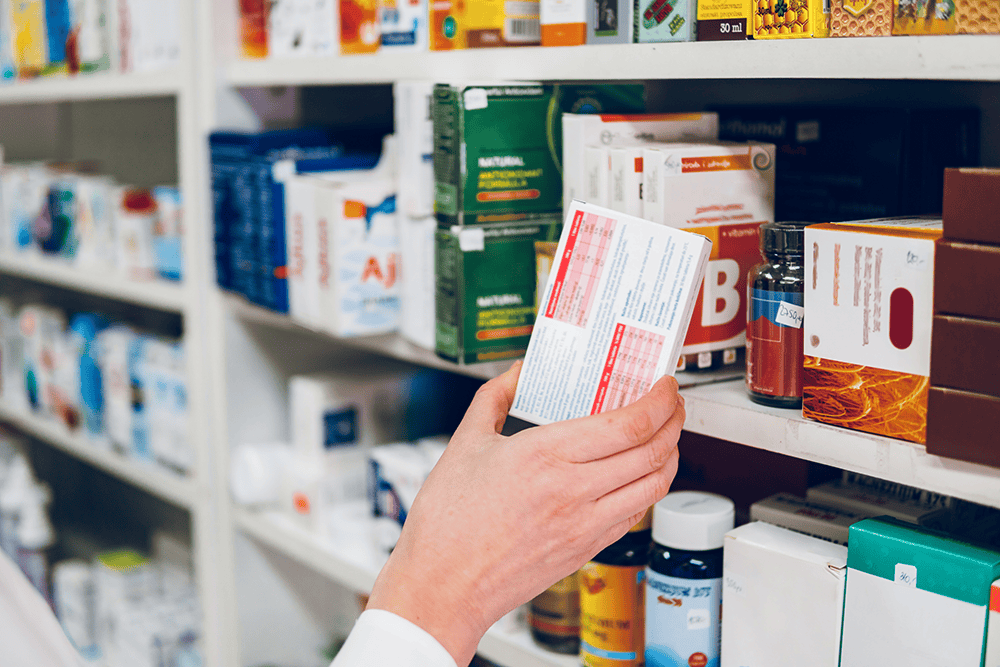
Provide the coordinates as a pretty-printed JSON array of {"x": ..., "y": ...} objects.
[
  {"x": 906, "y": 575},
  {"x": 790, "y": 315}
]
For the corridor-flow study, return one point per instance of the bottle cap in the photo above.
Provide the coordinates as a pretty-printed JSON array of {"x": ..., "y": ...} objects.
[
  {"x": 692, "y": 520},
  {"x": 783, "y": 238}
]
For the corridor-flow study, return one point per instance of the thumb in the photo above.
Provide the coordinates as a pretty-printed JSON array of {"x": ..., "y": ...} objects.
[{"x": 493, "y": 401}]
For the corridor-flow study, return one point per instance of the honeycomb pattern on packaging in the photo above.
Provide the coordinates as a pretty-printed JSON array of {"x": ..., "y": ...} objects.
[
  {"x": 980, "y": 17},
  {"x": 854, "y": 19},
  {"x": 781, "y": 17}
]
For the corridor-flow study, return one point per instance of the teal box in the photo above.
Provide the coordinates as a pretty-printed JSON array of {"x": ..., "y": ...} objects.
[
  {"x": 914, "y": 598},
  {"x": 665, "y": 20}
]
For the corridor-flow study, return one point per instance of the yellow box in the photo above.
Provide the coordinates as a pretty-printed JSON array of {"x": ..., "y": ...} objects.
[
  {"x": 28, "y": 38},
  {"x": 923, "y": 17},
  {"x": 861, "y": 18},
  {"x": 473, "y": 24},
  {"x": 789, "y": 19}
]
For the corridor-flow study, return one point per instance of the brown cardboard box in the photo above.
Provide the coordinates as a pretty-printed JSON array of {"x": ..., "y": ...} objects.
[
  {"x": 965, "y": 354},
  {"x": 972, "y": 205},
  {"x": 966, "y": 279},
  {"x": 963, "y": 425}
]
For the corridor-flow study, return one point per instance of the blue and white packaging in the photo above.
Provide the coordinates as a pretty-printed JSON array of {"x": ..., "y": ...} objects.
[
  {"x": 23, "y": 190},
  {"x": 397, "y": 471},
  {"x": 404, "y": 25},
  {"x": 168, "y": 234},
  {"x": 94, "y": 223},
  {"x": 7, "y": 70},
  {"x": 114, "y": 344}
]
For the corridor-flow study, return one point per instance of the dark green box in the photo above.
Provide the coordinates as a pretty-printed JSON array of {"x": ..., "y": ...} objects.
[{"x": 485, "y": 289}]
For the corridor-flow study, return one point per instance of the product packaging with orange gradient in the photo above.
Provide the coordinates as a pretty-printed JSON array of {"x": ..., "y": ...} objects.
[
  {"x": 723, "y": 191},
  {"x": 869, "y": 306}
]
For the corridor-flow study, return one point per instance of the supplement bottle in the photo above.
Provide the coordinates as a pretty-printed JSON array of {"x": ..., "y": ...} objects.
[
  {"x": 554, "y": 617},
  {"x": 775, "y": 315},
  {"x": 611, "y": 602},
  {"x": 684, "y": 579}
]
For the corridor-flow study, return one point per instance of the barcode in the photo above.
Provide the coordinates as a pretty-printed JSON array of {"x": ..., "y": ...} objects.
[{"x": 522, "y": 30}]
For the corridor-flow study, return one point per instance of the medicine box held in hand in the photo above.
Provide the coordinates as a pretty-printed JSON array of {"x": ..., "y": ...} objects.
[
  {"x": 869, "y": 291},
  {"x": 914, "y": 598},
  {"x": 783, "y": 594},
  {"x": 614, "y": 314}
]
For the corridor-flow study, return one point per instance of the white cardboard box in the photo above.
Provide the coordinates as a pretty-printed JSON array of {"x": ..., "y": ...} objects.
[
  {"x": 614, "y": 314},
  {"x": 724, "y": 191},
  {"x": 580, "y": 131},
  {"x": 626, "y": 179},
  {"x": 822, "y": 521},
  {"x": 782, "y": 596},
  {"x": 597, "y": 168}
]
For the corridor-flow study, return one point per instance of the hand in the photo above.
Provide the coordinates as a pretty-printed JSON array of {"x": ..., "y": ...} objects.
[{"x": 500, "y": 519}]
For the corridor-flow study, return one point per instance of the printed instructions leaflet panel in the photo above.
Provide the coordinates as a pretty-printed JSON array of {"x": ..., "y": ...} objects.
[{"x": 613, "y": 315}]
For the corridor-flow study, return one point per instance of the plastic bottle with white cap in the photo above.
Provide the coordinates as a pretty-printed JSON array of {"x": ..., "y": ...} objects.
[
  {"x": 684, "y": 579},
  {"x": 13, "y": 493},
  {"x": 34, "y": 537}
]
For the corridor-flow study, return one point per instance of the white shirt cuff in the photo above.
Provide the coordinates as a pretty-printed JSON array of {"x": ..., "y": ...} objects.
[{"x": 383, "y": 639}]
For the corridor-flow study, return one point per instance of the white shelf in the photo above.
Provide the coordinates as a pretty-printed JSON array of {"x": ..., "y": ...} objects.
[
  {"x": 389, "y": 345},
  {"x": 160, "y": 294},
  {"x": 158, "y": 481},
  {"x": 99, "y": 85},
  {"x": 343, "y": 566},
  {"x": 951, "y": 57},
  {"x": 724, "y": 411}
]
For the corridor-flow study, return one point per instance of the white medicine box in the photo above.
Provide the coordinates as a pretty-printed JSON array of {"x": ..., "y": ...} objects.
[{"x": 782, "y": 598}]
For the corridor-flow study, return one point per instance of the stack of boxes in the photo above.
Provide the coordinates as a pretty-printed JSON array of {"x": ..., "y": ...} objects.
[{"x": 964, "y": 401}]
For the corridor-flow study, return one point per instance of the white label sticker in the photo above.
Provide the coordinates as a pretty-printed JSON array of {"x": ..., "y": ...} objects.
[
  {"x": 790, "y": 315},
  {"x": 475, "y": 98},
  {"x": 698, "y": 619},
  {"x": 472, "y": 240},
  {"x": 906, "y": 575},
  {"x": 704, "y": 359}
]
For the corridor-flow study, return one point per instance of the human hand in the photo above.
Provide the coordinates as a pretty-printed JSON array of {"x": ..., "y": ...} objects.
[{"x": 500, "y": 519}]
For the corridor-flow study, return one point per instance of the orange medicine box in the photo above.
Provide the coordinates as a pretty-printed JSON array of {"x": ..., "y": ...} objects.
[
  {"x": 461, "y": 24},
  {"x": 869, "y": 307},
  {"x": 788, "y": 19},
  {"x": 360, "y": 30}
]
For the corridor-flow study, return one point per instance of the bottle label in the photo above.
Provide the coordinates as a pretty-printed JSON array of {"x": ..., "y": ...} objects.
[
  {"x": 557, "y": 611},
  {"x": 682, "y": 621},
  {"x": 774, "y": 343},
  {"x": 611, "y": 615}
]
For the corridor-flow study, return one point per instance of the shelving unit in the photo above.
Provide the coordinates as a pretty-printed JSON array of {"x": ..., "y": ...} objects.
[
  {"x": 159, "y": 294},
  {"x": 236, "y": 390},
  {"x": 338, "y": 562},
  {"x": 100, "y": 85},
  {"x": 172, "y": 487},
  {"x": 956, "y": 58}
]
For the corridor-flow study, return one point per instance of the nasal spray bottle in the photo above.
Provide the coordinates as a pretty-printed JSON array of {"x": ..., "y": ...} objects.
[{"x": 35, "y": 536}]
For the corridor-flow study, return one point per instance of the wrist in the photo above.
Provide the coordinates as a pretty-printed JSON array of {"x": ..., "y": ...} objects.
[{"x": 440, "y": 603}]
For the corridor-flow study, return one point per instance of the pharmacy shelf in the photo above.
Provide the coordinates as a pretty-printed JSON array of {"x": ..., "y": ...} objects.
[
  {"x": 389, "y": 345},
  {"x": 953, "y": 57},
  {"x": 343, "y": 566},
  {"x": 159, "y": 294},
  {"x": 158, "y": 481},
  {"x": 723, "y": 411},
  {"x": 91, "y": 87}
]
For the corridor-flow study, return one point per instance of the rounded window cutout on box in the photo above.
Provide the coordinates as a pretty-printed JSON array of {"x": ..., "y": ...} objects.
[{"x": 901, "y": 318}]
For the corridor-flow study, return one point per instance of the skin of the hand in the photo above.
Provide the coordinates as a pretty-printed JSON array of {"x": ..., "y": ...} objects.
[{"x": 500, "y": 519}]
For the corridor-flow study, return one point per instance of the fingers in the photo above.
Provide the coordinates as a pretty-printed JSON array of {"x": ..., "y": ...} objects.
[
  {"x": 632, "y": 498},
  {"x": 489, "y": 408},
  {"x": 605, "y": 475},
  {"x": 600, "y": 436}
]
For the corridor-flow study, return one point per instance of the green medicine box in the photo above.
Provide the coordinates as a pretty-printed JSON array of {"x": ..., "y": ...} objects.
[
  {"x": 485, "y": 289},
  {"x": 497, "y": 147},
  {"x": 915, "y": 597}
]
